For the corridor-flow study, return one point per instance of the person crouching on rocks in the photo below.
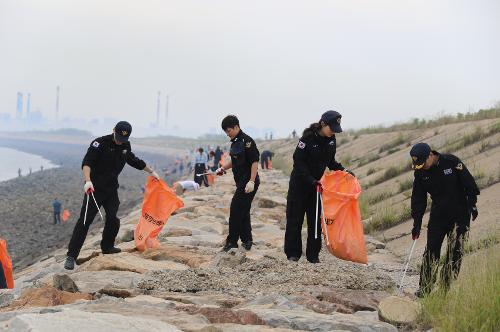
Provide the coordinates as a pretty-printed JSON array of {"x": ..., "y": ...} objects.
[
  {"x": 101, "y": 166},
  {"x": 244, "y": 162},
  {"x": 314, "y": 152}
]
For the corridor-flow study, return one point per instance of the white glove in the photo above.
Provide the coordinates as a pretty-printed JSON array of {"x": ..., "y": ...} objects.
[
  {"x": 250, "y": 187},
  {"x": 88, "y": 186},
  {"x": 220, "y": 171}
]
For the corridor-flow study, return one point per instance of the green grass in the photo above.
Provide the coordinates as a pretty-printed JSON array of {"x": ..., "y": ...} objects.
[
  {"x": 388, "y": 217},
  {"x": 364, "y": 207},
  {"x": 416, "y": 123},
  {"x": 368, "y": 159},
  {"x": 392, "y": 144},
  {"x": 474, "y": 137},
  {"x": 405, "y": 185},
  {"x": 473, "y": 301},
  {"x": 374, "y": 199},
  {"x": 390, "y": 173},
  {"x": 484, "y": 243},
  {"x": 371, "y": 171}
]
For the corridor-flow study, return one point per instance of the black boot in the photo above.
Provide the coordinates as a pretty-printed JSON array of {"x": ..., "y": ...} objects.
[
  {"x": 228, "y": 246},
  {"x": 70, "y": 263},
  {"x": 112, "y": 250},
  {"x": 247, "y": 245}
]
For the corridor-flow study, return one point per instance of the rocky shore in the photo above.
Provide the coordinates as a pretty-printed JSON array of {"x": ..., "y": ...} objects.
[
  {"x": 26, "y": 202},
  {"x": 189, "y": 285}
]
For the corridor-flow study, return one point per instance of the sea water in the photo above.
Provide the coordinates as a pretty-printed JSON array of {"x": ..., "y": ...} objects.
[{"x": 13, "y": 160}]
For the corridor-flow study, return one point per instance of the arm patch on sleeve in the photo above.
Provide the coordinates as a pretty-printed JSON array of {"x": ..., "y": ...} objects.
[
  {"x": 95, "y": 144},
  {"x": 460, "y": 166},
  {"x": 248, "y": 145},
  {"x": 301, "y": 145}
]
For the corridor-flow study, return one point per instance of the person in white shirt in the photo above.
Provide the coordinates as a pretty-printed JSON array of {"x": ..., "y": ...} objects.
[{"x": 200, "y": 167}]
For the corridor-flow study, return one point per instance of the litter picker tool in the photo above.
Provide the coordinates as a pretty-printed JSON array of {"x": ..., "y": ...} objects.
[
  {"x": 90, "y": 192},
  {"x": 318, "y": 189},
  {"x": 203, "y": 174},
  {"x": 406, "y": 266},
  {"x": 323, "y": 219}
]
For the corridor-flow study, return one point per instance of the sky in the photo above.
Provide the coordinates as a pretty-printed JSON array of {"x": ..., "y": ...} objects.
[{"x": 276, "y": 64}]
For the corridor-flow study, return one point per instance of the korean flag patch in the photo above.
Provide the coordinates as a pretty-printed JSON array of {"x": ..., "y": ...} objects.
[
  {"x": 95, "y": 144},
  {"x": 301, "y": 145}
]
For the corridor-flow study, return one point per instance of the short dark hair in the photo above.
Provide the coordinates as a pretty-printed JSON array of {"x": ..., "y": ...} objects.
[
  {"x": 230, "y": 121},
  {"x": 200, "y": 150}
]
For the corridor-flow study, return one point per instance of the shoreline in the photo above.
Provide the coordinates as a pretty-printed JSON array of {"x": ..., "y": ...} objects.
[{"x": 26, "y": 202}]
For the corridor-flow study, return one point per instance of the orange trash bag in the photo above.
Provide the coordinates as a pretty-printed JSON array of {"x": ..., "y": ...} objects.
[
  {"x": 65, "y": 215},
  {"x": 159, "y": 203},
  {"x": 344, "y": 229},
  {"x": 6, "y": 264},
  {"x": 210, "y": 179}
]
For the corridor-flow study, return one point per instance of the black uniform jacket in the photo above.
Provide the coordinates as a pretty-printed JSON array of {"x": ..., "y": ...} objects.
[
  {"x": 452, "y": 188},
  {"x": 243, "y": 154},
  {"x": 311, "y": 157},
  {"x": 106, "y": 160}
]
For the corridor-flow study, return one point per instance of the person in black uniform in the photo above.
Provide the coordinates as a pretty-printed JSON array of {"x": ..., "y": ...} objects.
[
  {"x": 314, "y": 152},
  {"x": 244, "y": 162},
  {"x": 101, "y": 166},
  {"x": 454, "y": 195},
  {"x": 265, "y": 159}
]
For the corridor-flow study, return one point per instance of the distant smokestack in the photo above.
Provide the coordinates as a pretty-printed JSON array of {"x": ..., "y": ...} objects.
[
  {"x": 166, "y": 111},
  {"x": 19, "y": 109},
  {"x": 28, "y": 105},
  {"x": 158, "y": 110},
  {"x": 57, "y": 103}
]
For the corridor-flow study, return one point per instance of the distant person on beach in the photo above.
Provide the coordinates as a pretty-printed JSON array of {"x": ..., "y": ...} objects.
[
  {"x": 453, "y": 192},
  {"x": 244, "y": 162},
  {"x": 41, "y": 168},
  {"x": 314, "y": 152},
  {"x": 183, "y": 186},
  {"x": 265, "y": 159},
  {"x": 57, "y": 211},
  {"x": 218, "y": 156},
  {"x": 294, "y": 133},
  {"x": 19, "y": 172},
  {"x": 200, "y": 167},
  {"x": 104, "y": 161}
]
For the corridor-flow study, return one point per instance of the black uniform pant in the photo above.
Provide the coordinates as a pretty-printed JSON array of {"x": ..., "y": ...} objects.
[
  {"x": 240, "y": 226},
  {"x": 296, "y": 208},
  {"x": 57, "y": 218},
  {"x": 110, "y": 202},
  {"x": 457, "y": 235},
  {"x": 264, "y": 163},
  {"x": 3, "y": 280},
  {"x": 200, "y": 169}
]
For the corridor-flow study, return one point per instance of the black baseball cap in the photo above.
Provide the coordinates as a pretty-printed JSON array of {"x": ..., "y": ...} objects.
[
  {"x": 332, "y": 119},
  {"x": 123, "y": 129},
  {"x": 419, "y": 154}
]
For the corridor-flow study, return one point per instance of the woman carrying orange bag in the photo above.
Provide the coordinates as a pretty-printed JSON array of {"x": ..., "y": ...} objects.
[{"x": 315, "y": 151}]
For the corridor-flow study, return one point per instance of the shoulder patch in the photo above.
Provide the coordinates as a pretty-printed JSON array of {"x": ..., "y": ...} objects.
[
  {"x": 332, "y": 143},
  {"x": 301, "y": 145},
  {"x": 460, "y": 166},
  {"x": 248, "y": 145},
  {"x": 95, "y": 144}
]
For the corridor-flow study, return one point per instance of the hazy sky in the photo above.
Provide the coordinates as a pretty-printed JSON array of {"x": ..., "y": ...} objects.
[{"x": 276, "y": 64}]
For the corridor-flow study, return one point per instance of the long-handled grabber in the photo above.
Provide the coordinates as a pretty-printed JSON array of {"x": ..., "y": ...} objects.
[
  {"x": 406, "y": 266},
  {"x": 203, "y": 174},
  {"x": 323, "y": 219},
  {"x": 90, "y": 192},
  {"x": 318, "y": 190}
]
